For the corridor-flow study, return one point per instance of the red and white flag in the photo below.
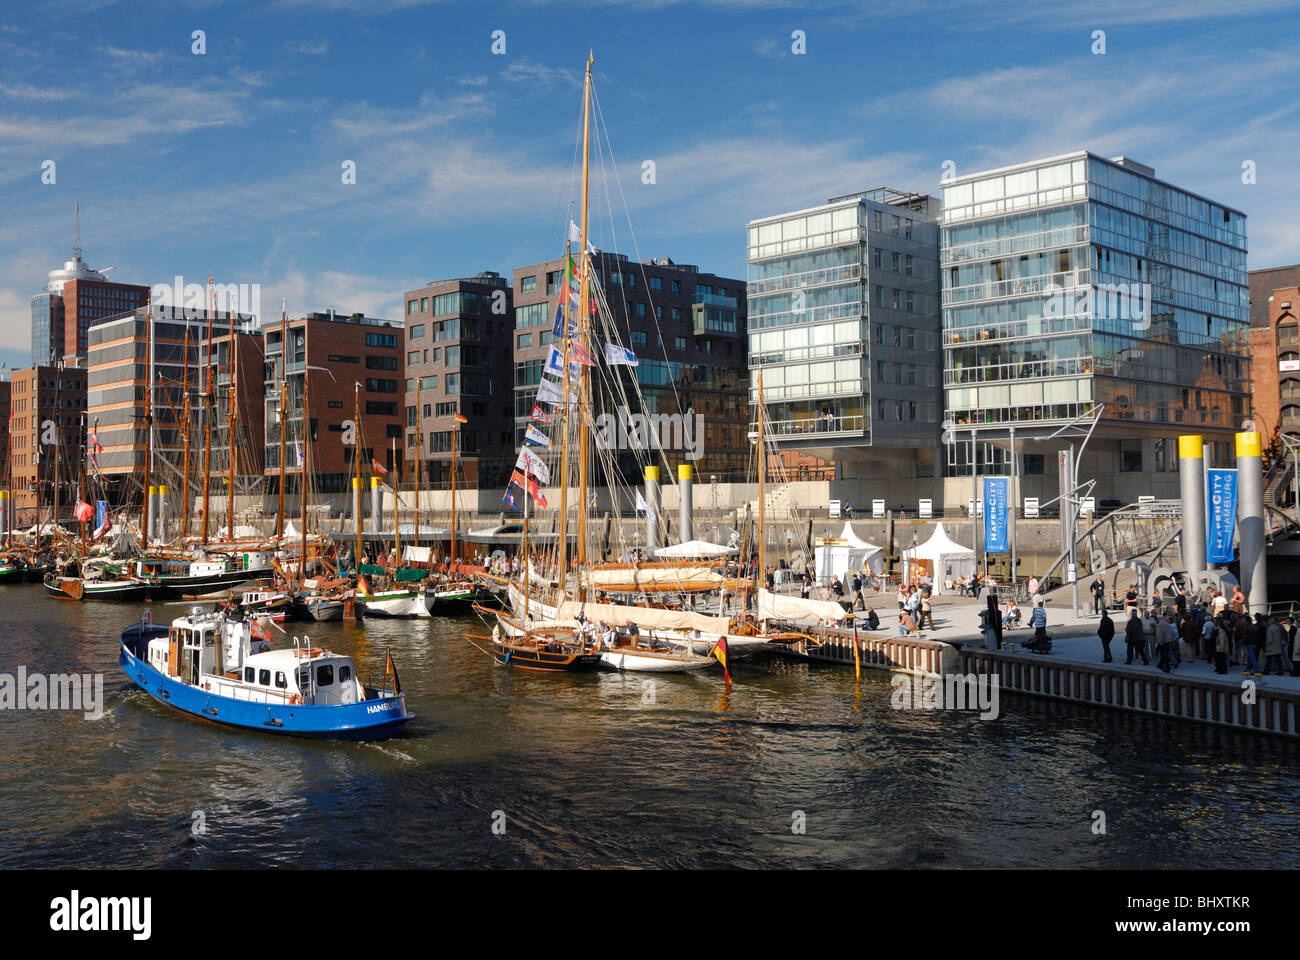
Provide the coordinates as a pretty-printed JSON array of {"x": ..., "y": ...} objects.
[{"x": 379, "y": 468}]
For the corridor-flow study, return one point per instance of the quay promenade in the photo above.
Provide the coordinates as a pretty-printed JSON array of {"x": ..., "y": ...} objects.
[{"x": 1074, "y": 669}]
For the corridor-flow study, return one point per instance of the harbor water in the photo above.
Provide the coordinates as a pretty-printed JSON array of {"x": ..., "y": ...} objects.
[{"x": 795, "y": 766}]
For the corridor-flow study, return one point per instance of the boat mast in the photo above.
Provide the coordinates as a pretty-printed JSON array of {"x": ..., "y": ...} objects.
[
  {"x": 762, "y": 477},
  {"x": 185, "y": 434},
  {"x": 419, "y": 434},
  {"x": 148, "y": 431},
  {"x": 207, "y": 419},
  {"x": 397, "y": 513},
  {"x": 232, "y": 401},
  {"x": 284, "y": 359},
  {"x": 81, "y": 495},
  {"x": 55, "y": 511},
  {"x": 584, "y": 383},
  {"x": 306, "y": 447},
  {"x": 356, "y": 468},
  {"x": 451, "y": 558}
]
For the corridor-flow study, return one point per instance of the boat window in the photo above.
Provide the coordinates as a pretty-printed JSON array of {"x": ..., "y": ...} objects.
[
  {"x": 345, "y": 674},
  {"x": 208, "y": 638},
  {"x": 248, "y": 674},
  {"x": 325, "y": 675},
  {"x": 264, "y": 677},
  {"x": 280, "y": 680}
]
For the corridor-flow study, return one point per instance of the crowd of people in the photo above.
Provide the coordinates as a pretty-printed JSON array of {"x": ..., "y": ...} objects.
[{"x": 1210, "y": 626}]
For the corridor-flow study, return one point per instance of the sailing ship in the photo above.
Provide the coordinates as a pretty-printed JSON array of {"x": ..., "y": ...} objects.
[
  {"x": 642, "y": 613},
  {"x": 213, "y": 666}
]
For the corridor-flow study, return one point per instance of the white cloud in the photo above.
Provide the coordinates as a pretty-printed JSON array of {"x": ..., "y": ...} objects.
[{"x": 315, "y": 48}]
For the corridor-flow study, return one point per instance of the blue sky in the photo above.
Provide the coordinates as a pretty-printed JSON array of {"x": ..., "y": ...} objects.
[{"x": 230, "y": 162}]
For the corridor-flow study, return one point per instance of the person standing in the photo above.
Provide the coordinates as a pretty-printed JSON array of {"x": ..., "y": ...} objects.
[
  {"x": 1181, "y": 602},
  {"x": 1165, "y": 640},
  {"x": 858, "y": 598},
  {"x": 927, "y": 615},
  {"x": 1106, "y": 631},
  {"x": 1274, "y": 647},
  {"x": 1221, "y": 644},
  {"x": 1039, "y": 621},
  {"x": 1217, "y": 604},
  {"x": 1149, "y": 634},
  {"x": 1250, "y": 642},
  {"x": 1135, "y": 637},
  {"x": 1099, "y": 595}
]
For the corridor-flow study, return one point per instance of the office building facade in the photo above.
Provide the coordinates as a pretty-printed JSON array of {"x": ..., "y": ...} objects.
[
  {"x": 52, "y": 395},
  {"x": 458, "y": 362},
  {"x": 844, "y": 327},
  {"x": 687, "y": 331},
  {"x": 355, "y": 360},
  {"x": 1079, "y": 280}
]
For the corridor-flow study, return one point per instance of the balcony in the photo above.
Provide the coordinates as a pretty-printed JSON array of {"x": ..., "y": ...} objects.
[
  {"x": 714, "y": 300},
  {"x": 714, "y": 321},
  {"x": 812, "y": 427}
]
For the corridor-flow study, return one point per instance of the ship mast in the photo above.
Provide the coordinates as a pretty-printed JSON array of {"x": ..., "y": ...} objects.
[
  {"x": 148, "y": 432},
  {"x": 306, "y": 446},
  {"x": 762, "y": 477},
  {"x": 451, "y": 558},
  {"x": 232, "y": 401},
  {"x": 356, "y": 469},
  {"x": 185, "y": 435},
  {"x": 207, "y": 420},
  {"x": 284, "y": 359},
  {"x": 584, "y": 383},
  {"x": 419, "y": 434}
]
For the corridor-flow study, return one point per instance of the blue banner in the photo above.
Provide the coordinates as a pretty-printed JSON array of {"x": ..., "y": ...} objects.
[
  {"x": 101, "y": 513},
  {"x": 995, "y": 515},
  {"x": 1220, "y": 514}
]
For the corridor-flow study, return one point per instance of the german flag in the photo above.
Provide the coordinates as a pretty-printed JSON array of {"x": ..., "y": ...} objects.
[
  {"x": 460, "y": 419},
  {"x": 719, "y": 653}
]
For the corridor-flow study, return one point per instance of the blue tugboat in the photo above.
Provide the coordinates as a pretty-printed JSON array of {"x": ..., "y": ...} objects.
[{"x": 216, "y": 667}]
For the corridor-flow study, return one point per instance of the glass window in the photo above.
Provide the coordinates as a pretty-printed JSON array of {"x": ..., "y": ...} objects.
[
  {"x": 264, "y": 677},
  {"x": 249, "y": 674},
  {"x": 528, "y": 284},
  {"x": 417, "y": 331},
  {"x": 325, "y": 675},
  {"x": 280, "y": 680},
  {"x": 345, "y": 674}
]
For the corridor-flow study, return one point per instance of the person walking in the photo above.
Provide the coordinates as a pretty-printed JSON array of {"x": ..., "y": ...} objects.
[
  {"x": 1098, "y": 589},
  {"x": 1039, "y": 622},
  {"x": 858, "y": 598},
  {"x": 1135, "y": 637},
  {"x": 1106, "y": 631}
]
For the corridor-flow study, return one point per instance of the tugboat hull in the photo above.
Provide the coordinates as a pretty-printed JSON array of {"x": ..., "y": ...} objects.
[{"x": 375, "y": 719}]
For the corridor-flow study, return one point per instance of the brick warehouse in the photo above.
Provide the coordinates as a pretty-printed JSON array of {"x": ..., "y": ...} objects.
[
  {"x": 342, "y": 351},
  {"x": 1275, "y": 349}
]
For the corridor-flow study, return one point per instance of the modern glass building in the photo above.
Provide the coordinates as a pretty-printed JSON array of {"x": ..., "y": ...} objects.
[
  {"x": 844, "y": 325},
  {"x": 1079, "y": 280}
]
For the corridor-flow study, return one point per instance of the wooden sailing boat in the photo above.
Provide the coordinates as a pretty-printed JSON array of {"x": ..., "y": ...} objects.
[{"x": 579, "y": 630}]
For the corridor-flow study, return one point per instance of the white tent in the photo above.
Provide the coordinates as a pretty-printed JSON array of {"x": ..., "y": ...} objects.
[
  {"x": 847, "y": 553},
  {"x": 949, "y": 560},
  {"x": 694, "y": 549},
  {"x": 291, "y": 531}
]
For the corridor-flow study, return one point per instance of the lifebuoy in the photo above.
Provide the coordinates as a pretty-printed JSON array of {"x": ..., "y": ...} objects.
[{"x": 295, "y": 699}]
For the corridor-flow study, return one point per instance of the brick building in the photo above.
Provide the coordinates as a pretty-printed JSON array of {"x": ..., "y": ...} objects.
[
  {"x": 458, "y": 361},
  {"x": 48, "y": 394},
  {"x": 1275, "y": 349},
  {"x": 342, "y": 351},
  {"x": 688, "y": 330}
]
